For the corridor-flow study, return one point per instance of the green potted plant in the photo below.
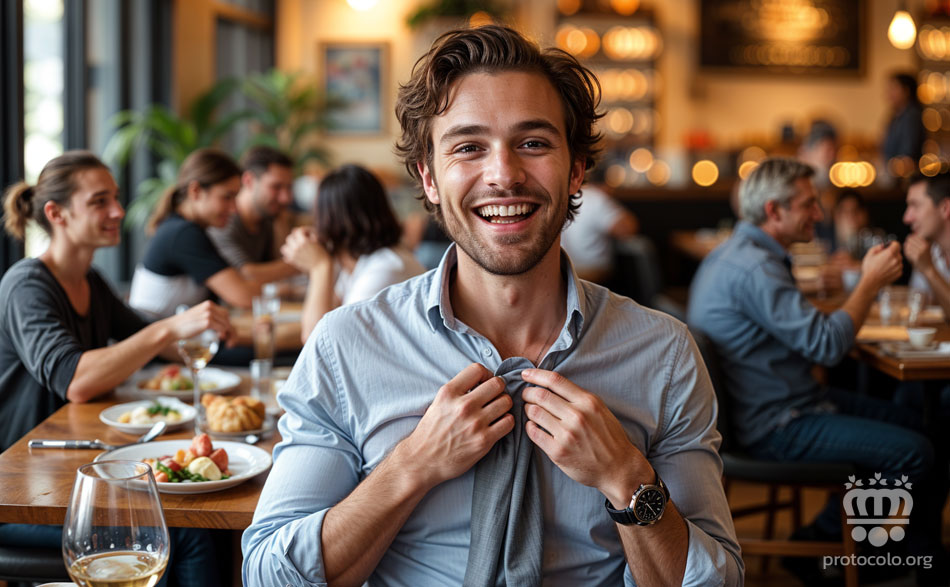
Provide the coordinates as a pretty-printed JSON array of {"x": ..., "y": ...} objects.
[{"x": 452, "y": 8}]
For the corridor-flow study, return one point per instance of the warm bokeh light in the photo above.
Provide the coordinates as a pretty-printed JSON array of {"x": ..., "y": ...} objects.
[
  {"x": 659, "y": 173},
  {"x": 902, "y": 32},
  {"x": 931, "y": 119},
  {"x": 625, "y": 7},
  {"x": 746, "y": 168},
  {"x": 752, "y": 153},
  {"x": 930, "y": 165},
  {"x": 901, "y": 166},
  {"x": 480, "y": 18},
  {"x": 931, "y": 146},
  {"x": 615, "y": 175},
  {"x": 641, "y": 160},
  {"x": 568, "y": 7},
  {"x": 620, "y": 121},
  {"x": 852, "y": 174},
  {"x": 705, "y": 173}
]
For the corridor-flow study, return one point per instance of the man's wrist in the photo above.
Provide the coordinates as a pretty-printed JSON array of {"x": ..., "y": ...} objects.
[{"x": 621, "y": 487}]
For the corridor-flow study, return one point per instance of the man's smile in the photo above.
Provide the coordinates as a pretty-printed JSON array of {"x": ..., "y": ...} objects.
[{"x": 506, "y": 214}]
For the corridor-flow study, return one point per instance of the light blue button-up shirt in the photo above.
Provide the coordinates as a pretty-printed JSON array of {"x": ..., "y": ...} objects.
[
  {"x": 370, "y": 370},
  {"x": 767, "y": 333}
]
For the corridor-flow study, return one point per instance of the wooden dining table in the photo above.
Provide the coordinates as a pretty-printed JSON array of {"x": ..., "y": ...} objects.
[{"x": 35, "y": 484}]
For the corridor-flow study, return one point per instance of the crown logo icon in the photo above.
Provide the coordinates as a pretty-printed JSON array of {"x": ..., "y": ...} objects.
[{"x": 871, "y": 507}]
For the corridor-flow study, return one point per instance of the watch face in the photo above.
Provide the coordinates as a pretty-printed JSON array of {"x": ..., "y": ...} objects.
[{"x": 649, "y": 505}]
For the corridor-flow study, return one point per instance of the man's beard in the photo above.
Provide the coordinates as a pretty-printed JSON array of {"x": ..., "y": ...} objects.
[{"x": 509, "y": 260}]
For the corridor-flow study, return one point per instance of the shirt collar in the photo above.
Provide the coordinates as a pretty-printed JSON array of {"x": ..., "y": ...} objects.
[
  {"x": 439, "y": 304},
  {"x": 758, "y": 236}
]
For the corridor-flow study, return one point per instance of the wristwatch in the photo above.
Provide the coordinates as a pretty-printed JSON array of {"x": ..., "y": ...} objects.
[{"x": 646, "y": 507}]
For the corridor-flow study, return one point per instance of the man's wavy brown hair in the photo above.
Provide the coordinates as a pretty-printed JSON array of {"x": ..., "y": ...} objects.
[{"x": 492, "y": 49}]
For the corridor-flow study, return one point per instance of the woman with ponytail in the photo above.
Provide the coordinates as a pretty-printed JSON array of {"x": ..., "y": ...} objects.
[
  {"x": 59, "y": 314},
  {"x": 181, "y": 265}
]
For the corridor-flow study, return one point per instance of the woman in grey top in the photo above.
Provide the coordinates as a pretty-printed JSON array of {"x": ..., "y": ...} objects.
[{"x": 59, "y": 315}]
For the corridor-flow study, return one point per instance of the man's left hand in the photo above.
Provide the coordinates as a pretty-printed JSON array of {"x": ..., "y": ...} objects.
[{"x": 582, "y": 437}]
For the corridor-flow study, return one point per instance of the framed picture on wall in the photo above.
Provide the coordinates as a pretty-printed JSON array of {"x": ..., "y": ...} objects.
[{"x": 355, "y": 74}]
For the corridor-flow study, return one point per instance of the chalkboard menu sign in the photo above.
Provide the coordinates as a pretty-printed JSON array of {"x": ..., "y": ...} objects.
[{"x": 790, "y": 36}]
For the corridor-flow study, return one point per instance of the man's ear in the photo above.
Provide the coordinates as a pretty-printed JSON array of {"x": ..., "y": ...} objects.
[
  {"x": 943, "y": 208},
  {"x": 771, "y": 210},
  {"x": 247, "y": 179},
  {"x": 428, "y": 183},
  {"x": 578, "y": 169}
]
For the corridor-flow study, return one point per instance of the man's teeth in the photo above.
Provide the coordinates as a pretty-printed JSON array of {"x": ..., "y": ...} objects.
[{"x": 514, "y": 210}]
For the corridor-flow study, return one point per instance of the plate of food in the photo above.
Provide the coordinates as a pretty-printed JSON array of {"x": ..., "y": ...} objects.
[
  {"x": 138, "y": 417},
  {"x": 235, "y": 417},
  {"x": 198, "y": 465},
  {"x": 175, "y": 380}
]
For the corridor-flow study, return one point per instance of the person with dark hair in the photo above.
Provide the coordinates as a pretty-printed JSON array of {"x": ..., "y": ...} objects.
[
  {"x": 928, "y": 245},
  {"x": 247, "y": 241},
  {"x": 59, "y": 315},
  {"x": 181, "y": 265},
  {"x": 353, "y": 252},
  {"x": 496, "y": 420},
  {"x": 905, "y": 132},
  {"x": 768, "y": 337}
]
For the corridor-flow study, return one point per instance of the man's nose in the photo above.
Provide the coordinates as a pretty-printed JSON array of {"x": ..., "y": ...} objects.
[{"x": 503, "y": 169}]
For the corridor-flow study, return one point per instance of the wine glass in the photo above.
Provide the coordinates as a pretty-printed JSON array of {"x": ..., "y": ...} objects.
[
  {"x": 197, "y": 352},
  {"x": 115, "y": 532}
]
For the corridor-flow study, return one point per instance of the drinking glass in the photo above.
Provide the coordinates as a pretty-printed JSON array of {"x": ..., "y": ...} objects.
[
  {"x": 916, "y": 302},
  {"x": 115, "y": 532},
  {"x": 262, "y": 384},
  {"x": 263, "y": 333},
  {"x": 197, "y": 352}
]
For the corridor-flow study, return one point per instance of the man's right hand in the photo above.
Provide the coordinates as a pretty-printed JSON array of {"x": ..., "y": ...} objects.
[
  {"x": 468, "y": 416},
  {"x": 882, "y": 265},
  {"x": 917, "y": 251}
]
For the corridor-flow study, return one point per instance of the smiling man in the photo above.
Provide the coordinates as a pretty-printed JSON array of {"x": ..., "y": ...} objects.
[
  {"x": 768, "y": 336},
  {"x": 496, "y": 420},
  {"x": 928, "y": 246}
]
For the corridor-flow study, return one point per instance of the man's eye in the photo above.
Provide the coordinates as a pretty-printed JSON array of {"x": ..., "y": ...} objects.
[
  {"x": 535, "y": 144},
  {"x": 466, "y": 149}
]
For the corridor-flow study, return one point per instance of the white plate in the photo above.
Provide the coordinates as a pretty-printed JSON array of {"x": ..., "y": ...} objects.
[
  {"x": 110, "y": 416},
  {"x": 224, "y": 382},
  {"x": 269, "y": 425},
  {"x": 244, "y": 461}
]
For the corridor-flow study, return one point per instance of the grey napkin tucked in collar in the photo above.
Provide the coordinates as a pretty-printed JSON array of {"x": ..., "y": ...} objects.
[{"x": 507, "y": 515}]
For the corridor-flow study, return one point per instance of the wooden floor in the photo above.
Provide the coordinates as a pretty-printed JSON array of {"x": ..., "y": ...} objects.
[{"x": 752, "y": 527}]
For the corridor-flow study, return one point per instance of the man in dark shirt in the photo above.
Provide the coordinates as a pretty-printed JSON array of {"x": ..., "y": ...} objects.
[
  {"x": 768, "y": 335},
  {"x": 247, "y": 242}
]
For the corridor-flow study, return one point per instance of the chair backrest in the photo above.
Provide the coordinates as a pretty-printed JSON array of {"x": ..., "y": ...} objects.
[
  {"x": 711, "y": 358},
  {"x": 638, "y": 269}
]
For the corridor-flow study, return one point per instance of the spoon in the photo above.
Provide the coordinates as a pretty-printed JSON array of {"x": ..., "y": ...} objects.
[{"x": 153, "y": 432}]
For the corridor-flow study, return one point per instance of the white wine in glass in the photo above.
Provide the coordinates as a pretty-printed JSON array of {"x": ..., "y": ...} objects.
[{"x": 115, "y": 533}]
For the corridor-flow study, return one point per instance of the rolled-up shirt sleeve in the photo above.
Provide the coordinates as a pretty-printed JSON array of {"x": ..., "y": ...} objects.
[
  {"x": 779, "y": 307},
  {"x": 315, "y": 466},
  {"x": 685, "y": 455}
]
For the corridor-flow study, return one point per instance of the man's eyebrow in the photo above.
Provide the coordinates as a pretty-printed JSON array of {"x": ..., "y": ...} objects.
[{"x": 465, "y": 130}]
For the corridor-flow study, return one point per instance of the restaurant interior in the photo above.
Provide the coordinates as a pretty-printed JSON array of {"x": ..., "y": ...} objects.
[{"x": 694, "y": 95}]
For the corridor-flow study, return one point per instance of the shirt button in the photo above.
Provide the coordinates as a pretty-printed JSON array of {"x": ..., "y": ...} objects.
[{"x": 486, "y": 352}]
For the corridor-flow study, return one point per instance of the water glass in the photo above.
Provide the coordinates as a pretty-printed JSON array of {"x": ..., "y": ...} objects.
[
  {"x": 916, "y": 302},
  {"x": 115, "y": 532},
  {"x": 262, "y": 383},
  {"x": 265, "y": 313},
  {"x": 885, "y": 306}
]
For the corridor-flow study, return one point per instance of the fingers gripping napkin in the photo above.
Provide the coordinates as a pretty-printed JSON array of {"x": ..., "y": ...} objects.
[{"x": 507, "y": 519}]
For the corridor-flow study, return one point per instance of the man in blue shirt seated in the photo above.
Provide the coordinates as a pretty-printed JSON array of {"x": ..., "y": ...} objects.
[
  {"x": 496, "y": 420},
  {"x": 769, "y": 335}
]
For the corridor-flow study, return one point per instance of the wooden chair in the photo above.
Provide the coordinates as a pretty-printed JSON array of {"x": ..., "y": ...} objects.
[{"x": 740, "y": 466}]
